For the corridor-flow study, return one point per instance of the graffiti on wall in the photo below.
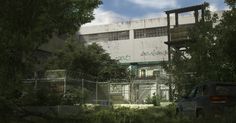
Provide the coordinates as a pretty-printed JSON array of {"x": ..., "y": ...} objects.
[
  {"x": 154, "y": 52},
  {"x": 123, "y": 58}
]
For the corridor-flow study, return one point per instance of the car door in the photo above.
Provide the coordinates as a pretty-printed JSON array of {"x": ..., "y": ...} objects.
[
  {"x": 201, "y": 96},
  {"x": 189, "y": 104},
  {"x": 199, "y": 100}
]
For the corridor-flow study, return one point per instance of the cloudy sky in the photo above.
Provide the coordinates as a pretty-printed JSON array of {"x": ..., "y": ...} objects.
[{"x": 123, "y": 10}]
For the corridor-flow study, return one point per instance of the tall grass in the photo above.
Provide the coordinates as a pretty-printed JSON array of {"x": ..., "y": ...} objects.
[{"x": 127, "y": 115}]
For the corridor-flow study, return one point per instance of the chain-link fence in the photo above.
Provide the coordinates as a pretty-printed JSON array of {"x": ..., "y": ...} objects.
[
  {"x": 94, "y": 92},
  {"x": 136, "y": 92},
  {"x": 89, "y": 91}
]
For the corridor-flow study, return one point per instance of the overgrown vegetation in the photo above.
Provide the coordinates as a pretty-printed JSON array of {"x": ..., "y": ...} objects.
[
  {"x": 24, "y": 26},
  {"x": 155, "y": 100},
  {"x": 125, "y": 115},
  {"x": 211, "y": 54},
  {"x": 88, "y": 62}
]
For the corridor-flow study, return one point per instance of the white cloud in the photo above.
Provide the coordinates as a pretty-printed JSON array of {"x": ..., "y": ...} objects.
[
  {"x": 226, "y": 8},
  {"x": 154, "y": 15},
  {"x": 105, "y": 17},
  {"x": 150, "y": 16},
  {"x": 213, "y": 8},
  {"x": 159, "y": 4}
]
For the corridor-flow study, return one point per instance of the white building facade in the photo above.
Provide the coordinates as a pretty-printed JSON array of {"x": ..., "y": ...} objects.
[{"x": 140, "y": 44}]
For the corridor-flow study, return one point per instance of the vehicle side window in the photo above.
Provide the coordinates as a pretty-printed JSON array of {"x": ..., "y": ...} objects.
[
  {"x": 192, "y": 93},
  {"x": 199, "y": 91},
  {"x": 205, "y": 90}
]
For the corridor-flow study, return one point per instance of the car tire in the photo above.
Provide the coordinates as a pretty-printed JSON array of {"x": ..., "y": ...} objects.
[
  {"x": 178, "y": 112},
  {"x": 200, "y": 113}
]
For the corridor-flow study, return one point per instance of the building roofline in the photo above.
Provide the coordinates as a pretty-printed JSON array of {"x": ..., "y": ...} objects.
[
  {"x": 144, "y": 63},
  {"x": 188, "y": 9}
]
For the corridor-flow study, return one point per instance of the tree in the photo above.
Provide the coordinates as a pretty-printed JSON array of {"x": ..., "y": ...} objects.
[
  {"x": 211, "y": 54},
  {"x": 204, "y": 53},
  {"x": 25, "y": 25},
  {"x": 198, "y": 63},
  {"x": 226, "y": 40},
  {"x": 87, "y": 61}
]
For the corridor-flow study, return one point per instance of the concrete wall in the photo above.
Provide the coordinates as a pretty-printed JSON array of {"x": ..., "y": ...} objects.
[{"x": 135, "y": 50}]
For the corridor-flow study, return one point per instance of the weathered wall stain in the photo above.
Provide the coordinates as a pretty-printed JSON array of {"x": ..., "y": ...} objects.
[
  {"x": 154, "y": 52},
  {"x": 123, "y": 58}
]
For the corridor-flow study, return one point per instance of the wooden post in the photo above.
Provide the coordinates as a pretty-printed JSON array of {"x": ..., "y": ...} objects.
[
  {"x": 176, "y": 19},
  {"x": 169, "y": 55},
  {"x": 196, "y": 16},
  {"x": 168, "y": 32},
  {"x": 203, "y": 14}
]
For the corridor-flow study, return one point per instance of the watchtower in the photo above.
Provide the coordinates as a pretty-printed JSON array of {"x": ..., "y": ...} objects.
[{"x": 178, "y": 36}]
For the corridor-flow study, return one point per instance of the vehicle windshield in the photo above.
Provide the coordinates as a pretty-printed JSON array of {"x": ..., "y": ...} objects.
[{"x": 223, "y": 89}]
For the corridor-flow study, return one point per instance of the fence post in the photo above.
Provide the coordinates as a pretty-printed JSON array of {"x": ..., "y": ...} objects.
[
  {"x": 157, "y": 87},
  {"x": 82, "y": 91},
  {"x": 131, "y": 91},
  {"x": 109, "y": 93},
  {"x": 64, "y": 86},
  {"x": 58, "y": 109},
  {"x": 96, "y": 92},
  {"x": 35, "y": 80}
]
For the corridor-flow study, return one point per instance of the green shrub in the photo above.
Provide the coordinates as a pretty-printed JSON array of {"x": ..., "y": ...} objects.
[
  {"x": 105, "y": 116},
  {"x": 127, "y": 115},
  {"x": 155, "y": 100}
]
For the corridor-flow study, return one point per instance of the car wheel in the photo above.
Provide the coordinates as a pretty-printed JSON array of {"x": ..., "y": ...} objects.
[
  {"x": 178, "y": 113},
  {"x": 200, "y": 113}
]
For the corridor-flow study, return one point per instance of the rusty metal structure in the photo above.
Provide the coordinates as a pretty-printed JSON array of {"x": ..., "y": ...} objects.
[{"x": 178, "y": 35}]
